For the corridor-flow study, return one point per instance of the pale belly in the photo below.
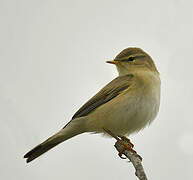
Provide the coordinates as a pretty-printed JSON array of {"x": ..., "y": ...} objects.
[
  {"x": 126, "y": 114},
  {"x": 133, "y": 115}
]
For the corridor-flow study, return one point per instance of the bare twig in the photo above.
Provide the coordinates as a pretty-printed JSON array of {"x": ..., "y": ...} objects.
[
  {"x": 135, "y": 160},
  {"x": 133, "y": 157}
]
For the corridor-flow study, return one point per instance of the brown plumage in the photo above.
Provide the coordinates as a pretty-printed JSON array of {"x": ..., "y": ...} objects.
[{"x": 125, "y": 105}]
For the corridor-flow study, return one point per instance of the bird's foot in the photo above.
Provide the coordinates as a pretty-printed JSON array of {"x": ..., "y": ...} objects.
[
  {"x": 127, "y": 140},
  {"x": 127, "y": 145},
  {"x": 124, "y": 141}
]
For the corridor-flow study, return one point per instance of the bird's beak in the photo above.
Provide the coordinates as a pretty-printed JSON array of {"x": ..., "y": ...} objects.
[{"x": 112, "y": 62}]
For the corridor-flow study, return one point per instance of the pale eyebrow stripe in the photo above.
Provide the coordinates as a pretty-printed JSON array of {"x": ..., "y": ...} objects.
[{"x": 140, "y": 56}]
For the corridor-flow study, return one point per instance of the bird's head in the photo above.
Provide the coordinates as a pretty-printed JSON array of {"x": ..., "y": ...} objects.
[{"x": 133, "y": 59}]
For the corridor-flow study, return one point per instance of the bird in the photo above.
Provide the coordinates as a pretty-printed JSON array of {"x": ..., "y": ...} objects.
[{"x": 126, "y": 105}]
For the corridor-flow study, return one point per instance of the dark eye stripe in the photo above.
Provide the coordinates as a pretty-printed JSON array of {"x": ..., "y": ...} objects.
[
  {"x": 124, "y": 60},
  {"x": 131, "y": 58}
]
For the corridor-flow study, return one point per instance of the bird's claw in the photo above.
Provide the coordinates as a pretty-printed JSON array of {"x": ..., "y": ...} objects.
[
  {"x": 122, "y": 140},
  {"x": 126, "y": 146},
  {"x": 121, "y": 153}
]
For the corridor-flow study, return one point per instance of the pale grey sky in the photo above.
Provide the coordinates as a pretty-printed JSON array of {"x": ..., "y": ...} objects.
[{"x": 52, "y": 59}]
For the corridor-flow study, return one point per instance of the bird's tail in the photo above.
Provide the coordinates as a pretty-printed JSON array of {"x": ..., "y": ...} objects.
[{"x": 72, "y": 129}]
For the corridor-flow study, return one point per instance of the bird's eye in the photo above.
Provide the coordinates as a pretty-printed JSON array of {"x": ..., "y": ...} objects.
[{"x": 131, "y": 58}]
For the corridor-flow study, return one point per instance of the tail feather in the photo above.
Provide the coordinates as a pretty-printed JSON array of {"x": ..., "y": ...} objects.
[
  {"x": 39, "y": 150},
  {"x": 54, "y": 140}
]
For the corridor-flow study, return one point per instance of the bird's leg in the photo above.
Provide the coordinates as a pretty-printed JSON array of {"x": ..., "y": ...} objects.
[
  {"x": 125, "y": 142},
  {"x": 111, "y": 134}
]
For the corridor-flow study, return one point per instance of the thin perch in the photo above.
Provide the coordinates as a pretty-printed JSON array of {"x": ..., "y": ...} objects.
[{"x": 133, "y": 157}]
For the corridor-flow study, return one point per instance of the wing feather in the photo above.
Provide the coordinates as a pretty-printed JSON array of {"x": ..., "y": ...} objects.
[{"x": 110, "y": 91}]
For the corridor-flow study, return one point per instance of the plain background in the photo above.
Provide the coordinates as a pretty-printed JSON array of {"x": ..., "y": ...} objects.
[{"x": 52, "y": 60}]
